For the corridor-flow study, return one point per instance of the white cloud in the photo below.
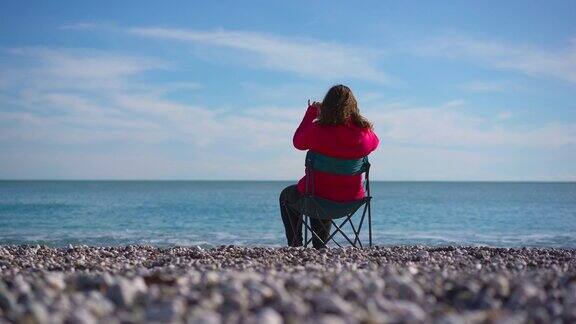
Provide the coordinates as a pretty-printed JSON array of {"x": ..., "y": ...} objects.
[
  {"x": 82, "y": 26},
  {"x": 75, "y": 68},
  {"x": 489, "y": 86},
  {"x": 45, "y": 105},
  {"x": 131, "y": 163},
  {"x": 46, "y": 110},
  {"x": 449, "y": 126},
  {"x": 401, "y": 162},
  {"x": 527, "y": 59},
  {"x": 303, "y": 56}
]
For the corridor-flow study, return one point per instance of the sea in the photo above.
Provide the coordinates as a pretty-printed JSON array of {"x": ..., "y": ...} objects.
[{"x": 213, "y": 213}]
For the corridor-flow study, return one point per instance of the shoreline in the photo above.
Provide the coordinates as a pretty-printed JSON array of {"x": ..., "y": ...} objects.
[{"x": 275, "y": 285}]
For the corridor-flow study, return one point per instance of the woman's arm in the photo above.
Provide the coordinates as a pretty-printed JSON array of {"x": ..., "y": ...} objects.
[
  {"x": 374, "y": 141},
  {"x": 302, "y": 136},
  {"x": 368, "y": 143}
]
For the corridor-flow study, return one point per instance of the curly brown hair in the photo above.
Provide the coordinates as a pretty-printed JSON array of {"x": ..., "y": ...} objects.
[{"x": 340, "y": 107}]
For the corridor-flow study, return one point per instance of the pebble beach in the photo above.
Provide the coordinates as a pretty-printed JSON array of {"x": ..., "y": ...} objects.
[{"x": 231, "y": 284}]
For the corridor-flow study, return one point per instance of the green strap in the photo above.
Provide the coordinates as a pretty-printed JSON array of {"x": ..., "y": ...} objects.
[{"x": 324, "y": 163}]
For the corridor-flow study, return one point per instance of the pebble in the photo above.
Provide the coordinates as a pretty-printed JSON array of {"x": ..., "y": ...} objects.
[
  {"x": 125, "y": 291},
  {"x": 329, "y": 319},
  {"x": 500, "y": 285},
  {"x": 334, "y": 304},
  {"x": 406, "y": 288},
  {"x": 269, "y": 316},
  {"x": 231, "y": 284},
  {"x": 166, "y": 311},
  {"x": 98, "y": 304},
  {"x": 38, "y": 313},
  {"x": 204, "y": 317},
  {"x": 7, "y": 300},
  {"x": 82, "y": 316},
  {"x": 55, "y": 280}
]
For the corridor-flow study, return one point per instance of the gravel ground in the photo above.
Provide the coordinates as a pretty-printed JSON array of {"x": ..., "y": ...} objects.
[{"x": 293, "y": 285}]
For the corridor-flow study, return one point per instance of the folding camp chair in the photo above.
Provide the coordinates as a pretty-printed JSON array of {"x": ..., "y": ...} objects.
[{"x": 312, "y": 206}]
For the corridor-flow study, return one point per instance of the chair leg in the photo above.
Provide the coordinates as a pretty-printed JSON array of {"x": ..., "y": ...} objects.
[
  {"x": 305, "y": 231},
  {"x": 338, "y": 229},
  {"x": 306, "y": 221},
  {"x": 335, "y": 232},
  {"x": 356, "y": 233},
  {"x": 312, "y": 233},
  {"x": 361, "y": 223},
  {"x": 328, "y": 232},
  {"x": 327, "y": 240},
  {"x": 369, "y": 225}
]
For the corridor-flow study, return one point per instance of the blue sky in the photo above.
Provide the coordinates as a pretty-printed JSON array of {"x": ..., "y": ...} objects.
[{"x": 457, "y": 90}]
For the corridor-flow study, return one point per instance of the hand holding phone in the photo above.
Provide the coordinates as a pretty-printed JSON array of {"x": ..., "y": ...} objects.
[{"x": 316, "y": 104}]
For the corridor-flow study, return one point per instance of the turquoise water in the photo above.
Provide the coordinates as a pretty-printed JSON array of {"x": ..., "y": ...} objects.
[{"x": 211, "y": 213}]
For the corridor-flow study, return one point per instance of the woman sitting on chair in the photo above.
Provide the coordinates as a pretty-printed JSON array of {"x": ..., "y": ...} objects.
[{"x": 336, "y": 129}]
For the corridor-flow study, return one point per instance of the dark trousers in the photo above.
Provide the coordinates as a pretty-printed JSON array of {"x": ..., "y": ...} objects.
[{"x": 293, "y": 222}]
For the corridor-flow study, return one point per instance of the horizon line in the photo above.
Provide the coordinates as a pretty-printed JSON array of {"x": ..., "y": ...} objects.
[{"x": 279, "y": 180}]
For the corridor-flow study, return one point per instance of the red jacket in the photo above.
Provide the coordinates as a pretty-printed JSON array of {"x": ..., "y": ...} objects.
[{"x": 342, "y": 141}]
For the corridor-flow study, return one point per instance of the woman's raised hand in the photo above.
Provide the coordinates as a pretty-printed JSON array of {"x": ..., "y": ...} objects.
[{"x": 315, "y": 104}]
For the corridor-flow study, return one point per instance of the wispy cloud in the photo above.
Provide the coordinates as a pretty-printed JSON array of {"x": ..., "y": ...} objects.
[
  {"x": 128, "y": 111},
  {"x": 449, "y": 126},
  {"x": 75, "y": 96},
  {"x": 523, "y": 58},
  {"x": 303, "y": 56},
  {"x": 74, "y": 68},
  {"x": 489, "y": 86},
  {"x": 82, "y": 26},
  {"x": 78, "y": 101}
]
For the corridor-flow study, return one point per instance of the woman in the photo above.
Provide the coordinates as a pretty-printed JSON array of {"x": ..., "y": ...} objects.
[{"x": 334, "y": 128}]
